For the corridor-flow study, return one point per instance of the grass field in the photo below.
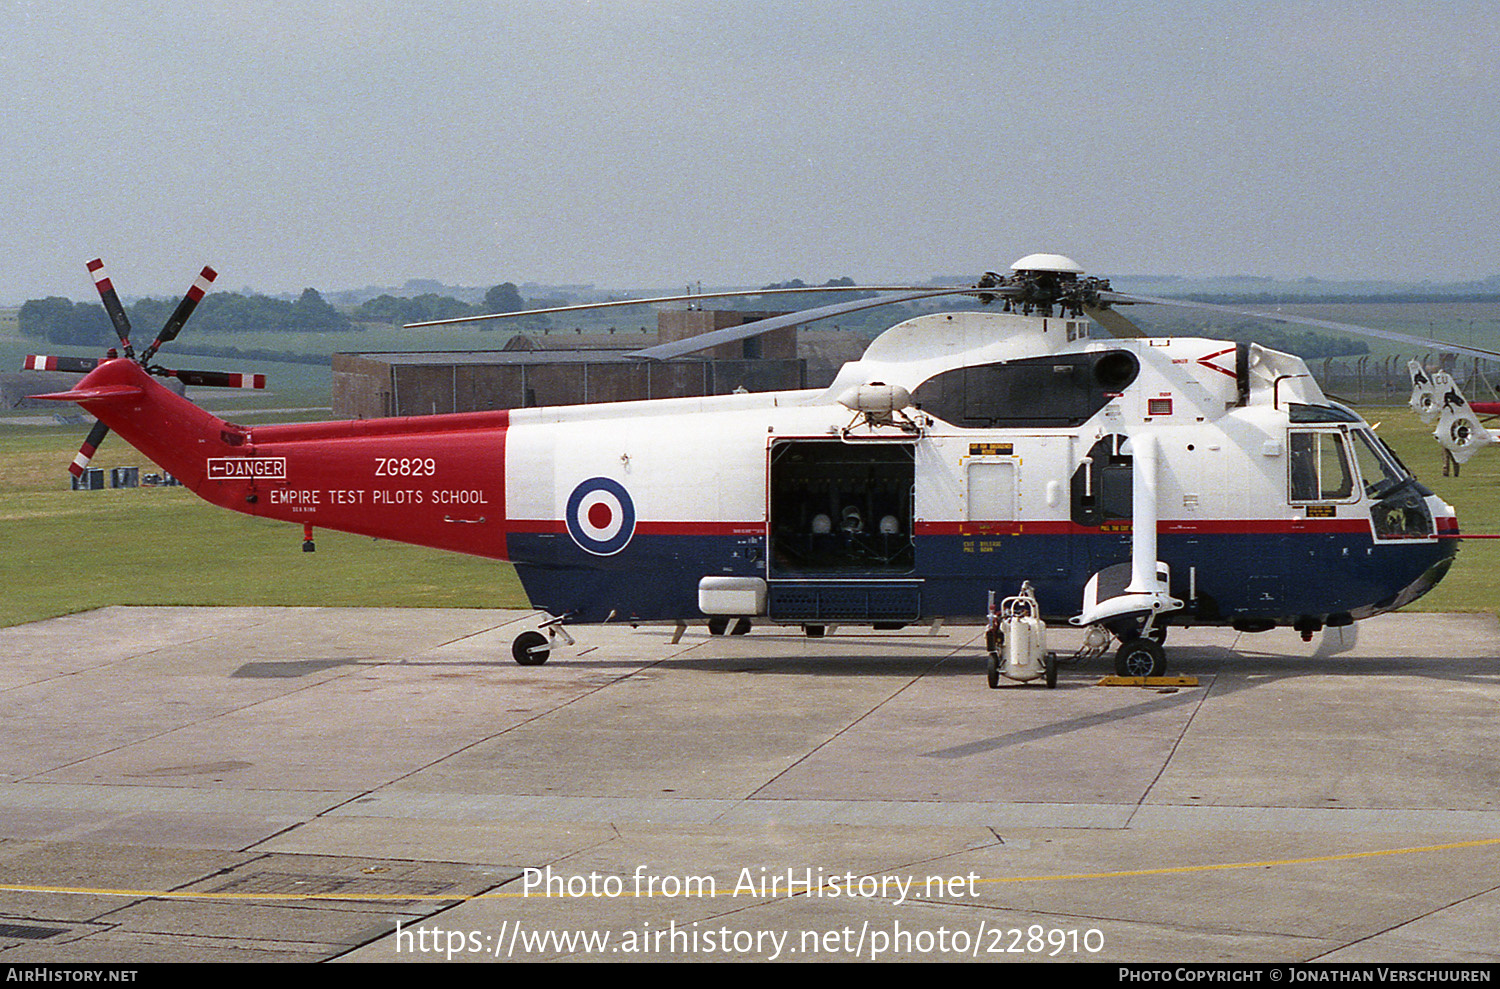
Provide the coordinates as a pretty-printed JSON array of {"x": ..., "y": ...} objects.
[{"x": 67, "y": 551}]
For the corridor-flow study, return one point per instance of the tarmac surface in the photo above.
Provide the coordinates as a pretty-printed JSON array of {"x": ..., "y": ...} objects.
[{"x": 247, "y": 784}]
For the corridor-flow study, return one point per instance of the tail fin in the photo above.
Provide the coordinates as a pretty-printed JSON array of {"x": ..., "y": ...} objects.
[
  {"x": 1424, "y": 398},
  {"x": 1458, "y": 428},
  {"x": 176, "y": 434}
]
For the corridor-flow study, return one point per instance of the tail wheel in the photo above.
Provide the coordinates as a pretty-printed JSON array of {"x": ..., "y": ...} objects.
[
  {"x": 531, "y": 649},
  {"x": 1140, "y": 658}
]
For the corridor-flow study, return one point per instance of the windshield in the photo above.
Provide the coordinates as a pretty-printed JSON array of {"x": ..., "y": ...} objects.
[{"x": 1381, "y": 471}]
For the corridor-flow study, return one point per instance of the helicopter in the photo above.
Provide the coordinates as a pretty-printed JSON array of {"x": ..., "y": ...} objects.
[{"x": 1127, "y": 484}]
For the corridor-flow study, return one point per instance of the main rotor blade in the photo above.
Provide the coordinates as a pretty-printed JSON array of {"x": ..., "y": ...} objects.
[
  {"x": 112, "y": 304},
  {"x": 89, "y": 448},
  {"x": 687, "y": 298},
  {"x": 745, "y": 331},
  {"x": 184, "y": 310},
  {"x": 1114, "y": 322},
  {"x": 1322, "y": 324}
]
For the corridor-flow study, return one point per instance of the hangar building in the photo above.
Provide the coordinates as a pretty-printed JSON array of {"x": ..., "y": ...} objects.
[{"x": 371, "y": 385}]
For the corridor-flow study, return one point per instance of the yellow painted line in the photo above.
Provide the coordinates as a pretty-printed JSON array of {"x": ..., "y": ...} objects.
[
  {"x": 1171, "y": 870},
  {"x": 1062, "y": 877}
]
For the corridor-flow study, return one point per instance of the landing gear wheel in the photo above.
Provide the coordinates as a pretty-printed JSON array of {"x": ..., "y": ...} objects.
[
  {"x": 1050, "y": 664},
  {"x": 531, "y": 649},
  {"x": 717, "y": 626},
  {"x": 1140, "y": 657},
  {"x": 992, "y": 670},
  {"x": 1158, "y": 634}
]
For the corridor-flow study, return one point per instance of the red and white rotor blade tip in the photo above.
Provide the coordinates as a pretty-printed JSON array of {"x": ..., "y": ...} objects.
[
  {"x": 41, "y": 362},
  {"x": 219, "y": 379},
  {"x": 89, "y": 448},
  {"x": 184, "y": 309},
  {"x": 112, "y": 304}
]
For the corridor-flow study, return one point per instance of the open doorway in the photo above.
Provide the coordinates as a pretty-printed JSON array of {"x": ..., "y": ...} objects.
[{"x": 841, "y": 508}]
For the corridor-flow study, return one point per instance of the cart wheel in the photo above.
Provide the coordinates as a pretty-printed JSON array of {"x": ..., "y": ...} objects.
[{"x": 993, "y": 670}]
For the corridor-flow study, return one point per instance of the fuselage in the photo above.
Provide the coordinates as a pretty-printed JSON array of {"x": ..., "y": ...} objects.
[{"x": 1012, "y": 462}]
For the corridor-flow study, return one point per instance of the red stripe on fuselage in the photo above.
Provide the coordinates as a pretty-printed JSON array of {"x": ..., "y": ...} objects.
[
  {"x": 554, "y": 526},
  {"x": 1251, "y": 527},
  {"x": 1173, "y": 527}
]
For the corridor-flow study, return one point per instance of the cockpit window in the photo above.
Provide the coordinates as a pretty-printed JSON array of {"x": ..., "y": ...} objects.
[
  {"x": 1394, "y": 457},
  {"x": 1378, "y": 469},
  {"x": 1319, "y": 467}
]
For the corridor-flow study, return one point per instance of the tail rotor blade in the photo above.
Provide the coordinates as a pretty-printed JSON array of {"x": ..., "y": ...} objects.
[
  {"x": 217, "y": 379},
  {"x": 90, "y": 446},
  {"x": 38, "y": 362},
  {"x": 184, "y": 310},
  {"x": 111, "y": 304}
]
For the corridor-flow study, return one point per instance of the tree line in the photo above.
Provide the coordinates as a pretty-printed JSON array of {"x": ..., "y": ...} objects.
[
  {"x": 501, "y": 298},
  {"x": 63, "y": 321}
]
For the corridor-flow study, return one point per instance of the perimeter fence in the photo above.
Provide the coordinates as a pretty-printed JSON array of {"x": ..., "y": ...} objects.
[{"x": 1373, "y": 380}]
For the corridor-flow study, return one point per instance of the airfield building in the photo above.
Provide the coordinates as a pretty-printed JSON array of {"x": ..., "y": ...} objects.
[{"x": 592, "y": 369}]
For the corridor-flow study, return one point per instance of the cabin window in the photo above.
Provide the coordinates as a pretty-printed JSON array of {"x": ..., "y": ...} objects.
[
  {"x": 992, "y": 491},
  {"x": 1318, "y": 467}
]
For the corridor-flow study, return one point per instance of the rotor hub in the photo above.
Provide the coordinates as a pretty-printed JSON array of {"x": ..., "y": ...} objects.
[
  {"x": 1056, "y": 263},
  {"x": 1040, "y": 282}
]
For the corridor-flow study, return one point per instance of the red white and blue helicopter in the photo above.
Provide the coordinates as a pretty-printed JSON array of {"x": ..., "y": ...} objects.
[{"x": 1126, "y": 484}]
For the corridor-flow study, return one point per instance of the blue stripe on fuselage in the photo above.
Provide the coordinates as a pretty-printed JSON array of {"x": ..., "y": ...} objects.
[{"x": 1277, "y": 576}]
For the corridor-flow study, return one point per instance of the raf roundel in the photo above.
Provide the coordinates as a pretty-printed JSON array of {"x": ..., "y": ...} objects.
[{"x": 600, "y": 516}]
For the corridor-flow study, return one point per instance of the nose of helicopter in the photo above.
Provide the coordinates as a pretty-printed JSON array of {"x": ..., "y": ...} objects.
[{"x": 1445, "y": 524}]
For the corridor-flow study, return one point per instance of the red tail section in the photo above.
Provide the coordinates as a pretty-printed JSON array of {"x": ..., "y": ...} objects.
[
  {"x": 164, "y": 426},
  {"x": 431, "y": 480}
]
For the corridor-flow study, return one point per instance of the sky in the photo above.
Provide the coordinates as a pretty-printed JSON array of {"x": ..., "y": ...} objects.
[{"x": 632, "y": 143}]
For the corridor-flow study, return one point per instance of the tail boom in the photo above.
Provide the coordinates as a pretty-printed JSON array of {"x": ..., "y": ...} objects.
[{"x": 431, "y": 480}]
